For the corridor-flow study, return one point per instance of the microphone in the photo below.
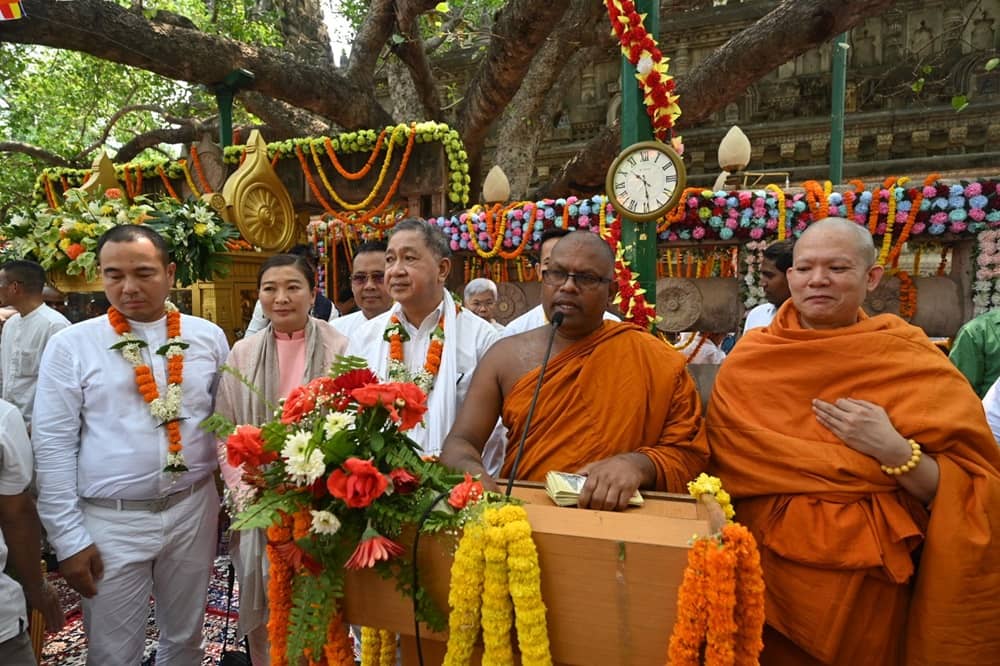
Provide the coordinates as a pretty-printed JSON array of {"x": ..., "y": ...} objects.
[{"x": 555, "y": 323}]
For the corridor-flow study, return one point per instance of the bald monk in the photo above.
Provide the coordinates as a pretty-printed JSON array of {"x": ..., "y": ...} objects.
[
  {"x": 616, "y": 404},
  {"x": 873, "y": 552}
]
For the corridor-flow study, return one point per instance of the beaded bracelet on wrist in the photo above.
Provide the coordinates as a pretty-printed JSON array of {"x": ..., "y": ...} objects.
[{"x": 909, "y": 464}]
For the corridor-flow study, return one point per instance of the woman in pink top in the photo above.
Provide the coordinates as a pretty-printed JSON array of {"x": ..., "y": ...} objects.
[{"x": 294, "y": 349}]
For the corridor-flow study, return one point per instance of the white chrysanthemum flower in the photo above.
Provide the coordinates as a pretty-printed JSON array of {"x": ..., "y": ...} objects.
[
  {"x": 324, "y": 522},
  {"x": 296, "y": 444},
  {"x": 303, "y": 469},
  {"x": 336, "y": 422}
]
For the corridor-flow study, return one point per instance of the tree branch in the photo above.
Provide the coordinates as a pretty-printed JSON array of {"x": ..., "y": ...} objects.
[
  {"x": 118, "y": 115},
  {"x": 414, "y": 55},
  {"x": 371, "y": 37},
  {"x": 499, "y": 75},
  {"x": 111, "y": 32},
  {"x": 35, "y": 152}
]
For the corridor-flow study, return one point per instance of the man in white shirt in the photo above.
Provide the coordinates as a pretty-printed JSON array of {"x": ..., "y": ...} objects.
[
  {"x": 536, "y": 316},
  {"x": 25, "y": 334},
  {"x": 368, "y": 286},
  {"x": 417, "y": 264},
  {"x": 481, "y": 297},
  {"x": 124, "y": 472},
  {"x": 21, "y": 538},
  {"x": 776, "y": 262}
]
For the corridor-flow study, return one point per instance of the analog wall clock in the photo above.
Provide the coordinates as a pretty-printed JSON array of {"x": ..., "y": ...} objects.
[{"x": 645, "y": 181}]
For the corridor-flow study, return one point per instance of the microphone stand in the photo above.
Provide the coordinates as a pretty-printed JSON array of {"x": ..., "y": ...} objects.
[{"x": 557, "y": 320}]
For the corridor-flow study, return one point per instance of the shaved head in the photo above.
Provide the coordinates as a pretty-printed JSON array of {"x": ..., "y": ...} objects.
[
  {"x": 577, "y": 240},
  {"x": 859, "y": 235}
]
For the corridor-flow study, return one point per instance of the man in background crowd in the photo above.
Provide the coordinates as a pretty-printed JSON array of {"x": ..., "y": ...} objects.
[
  {"x": 368, "y": 286},
  {"x": 776, "y": 262}
]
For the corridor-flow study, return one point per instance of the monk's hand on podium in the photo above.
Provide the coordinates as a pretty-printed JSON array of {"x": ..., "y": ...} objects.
[
  {"x": 610, "y": 483},
  {"x": 865, "y": 427}
]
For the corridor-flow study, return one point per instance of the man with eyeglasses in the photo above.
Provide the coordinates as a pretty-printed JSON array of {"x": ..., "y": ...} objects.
[
  {"x": 368, "y": 286},
  {"x": 537, "y": 316},
  {"x": 616, "y": 404},
  {"x": 25, "y": 334},
  {"x": 481, "y": 297}
]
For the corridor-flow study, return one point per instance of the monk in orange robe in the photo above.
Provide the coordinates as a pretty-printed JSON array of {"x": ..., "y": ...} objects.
[
  {"x": 616, "y": 404},
  {"x": 862, "y": 462}
]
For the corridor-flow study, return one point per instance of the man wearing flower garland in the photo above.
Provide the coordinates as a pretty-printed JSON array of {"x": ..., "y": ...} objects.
[
  {"x": 864, "y": 467},
  {"x": 976, "y": 351},
  {"x": 124, "y": 471},
  {"x": 425, "y": 337},
  {"x": 645, "y": 437}
]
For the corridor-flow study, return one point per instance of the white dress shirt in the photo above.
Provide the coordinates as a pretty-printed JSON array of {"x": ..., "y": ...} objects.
[
  {"x": 21, "y": 345},
  {"x": 94, "y": 435},
  {"x": 760, "y": 316},
  {"x": 534, "y": 318},
  {"x": 472, "y": 336},
  {"x": 991, "y": 403},
  {"x": 15, "y": 476},
  {"x": 349, "y": 324}
]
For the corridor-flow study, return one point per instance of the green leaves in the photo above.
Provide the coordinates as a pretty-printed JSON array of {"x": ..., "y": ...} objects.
[
  {"x": 959, "y": 102},
  {"x": 991, "y": 64}
]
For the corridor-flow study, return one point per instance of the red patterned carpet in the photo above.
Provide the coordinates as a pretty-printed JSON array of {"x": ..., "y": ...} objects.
[{"x": 69, "y": 646}]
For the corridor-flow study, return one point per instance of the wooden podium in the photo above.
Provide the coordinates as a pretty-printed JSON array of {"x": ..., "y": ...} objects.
[{"x": 609, "y": 581}]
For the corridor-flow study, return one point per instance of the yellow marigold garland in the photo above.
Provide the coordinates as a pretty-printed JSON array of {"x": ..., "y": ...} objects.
[
  {"x": 495, "y": 572},
  {"x": 464, "y": 596},
  {"x": 498, "y": 610}
]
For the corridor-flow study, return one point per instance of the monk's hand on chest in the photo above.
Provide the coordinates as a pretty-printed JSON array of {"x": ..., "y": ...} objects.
[{"x": 865, "y": 427}]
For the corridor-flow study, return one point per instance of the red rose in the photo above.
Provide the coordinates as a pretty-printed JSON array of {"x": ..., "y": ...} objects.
[
  {"x": 298, "y": 403},
  {"x": 322, "y": 386},
  {"x": 403, "y": 482},
  {"x": 349, "y": 381},
  {"x": 74, "y": 251},
  {"x": 360, "y": 485},
  {"x": 406, "y": 402},
  {"x": 465, "y": 492},
  {"x": 246, "y": 446}
]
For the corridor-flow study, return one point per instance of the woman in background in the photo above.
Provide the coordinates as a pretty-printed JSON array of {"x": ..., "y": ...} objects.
[{"x": 291, "y": 350}]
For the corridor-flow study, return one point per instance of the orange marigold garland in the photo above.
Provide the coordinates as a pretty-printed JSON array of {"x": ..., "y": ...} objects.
[
  {"x": 363, "y": 171},
  {"x": 279, "y": 589},
  {"x": 720, "y": 604},
  {"x": 396, "y": 335},
  {"x": 166, "y": 183},
  {"x": 165, "y": 409},
  {"x": 196, "y": 162},
  {"x": 907, "y": 296}
]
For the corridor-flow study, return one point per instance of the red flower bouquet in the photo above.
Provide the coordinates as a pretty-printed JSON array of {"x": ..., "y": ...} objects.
[{"x": 336, "y": 480}]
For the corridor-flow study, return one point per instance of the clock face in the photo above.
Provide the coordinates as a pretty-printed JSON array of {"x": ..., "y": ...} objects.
[{"x": 644, "y": 180}]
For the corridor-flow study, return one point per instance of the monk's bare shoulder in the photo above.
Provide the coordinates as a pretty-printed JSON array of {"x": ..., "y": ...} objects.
[{"x": 512, "y": 357}]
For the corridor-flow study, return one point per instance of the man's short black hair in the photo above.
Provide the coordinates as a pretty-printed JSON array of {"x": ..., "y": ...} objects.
[
  {"x": 31, "y": 275},
  {"x": 780, "y": 252},
  {"x": 128, "y": 233},
  {"x": 371, "y": 246}
]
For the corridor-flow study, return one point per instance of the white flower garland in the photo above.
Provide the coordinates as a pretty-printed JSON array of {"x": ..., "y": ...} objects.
[
  {"x": 986, "y": 288},
  {"x": 754, "y": 293}
]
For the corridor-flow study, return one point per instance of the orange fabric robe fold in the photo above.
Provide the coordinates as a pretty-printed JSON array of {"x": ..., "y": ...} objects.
[
  {"x": 839, "y": 539},
  {"x": 619, "y": 390}
]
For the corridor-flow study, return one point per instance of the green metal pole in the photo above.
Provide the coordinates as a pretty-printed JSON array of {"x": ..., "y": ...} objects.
[
  {"x": 837, "y": 109},
  {"x": 224, "y": 100},
  {"x": 639, "y": 238}
]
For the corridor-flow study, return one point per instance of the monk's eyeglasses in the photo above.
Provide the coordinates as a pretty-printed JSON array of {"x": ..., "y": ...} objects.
[{"x": 556, "y": 278}]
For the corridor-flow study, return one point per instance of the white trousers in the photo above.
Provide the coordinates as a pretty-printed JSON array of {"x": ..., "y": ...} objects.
[{"x": 168, "y": 555}]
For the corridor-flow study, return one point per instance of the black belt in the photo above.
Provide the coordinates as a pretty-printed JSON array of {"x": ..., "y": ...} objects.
[{"x": 155, "y": 505}]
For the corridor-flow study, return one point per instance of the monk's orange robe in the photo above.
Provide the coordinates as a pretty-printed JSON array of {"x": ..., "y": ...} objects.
[
  {"x": 619, "y": 390},
  {"x": 840, "y": 541}
]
